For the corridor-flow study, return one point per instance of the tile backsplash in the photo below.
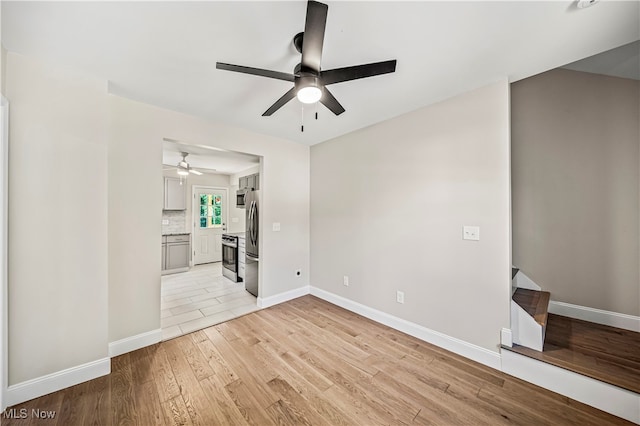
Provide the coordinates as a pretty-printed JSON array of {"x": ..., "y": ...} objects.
[{"x": 177, "y": 220}]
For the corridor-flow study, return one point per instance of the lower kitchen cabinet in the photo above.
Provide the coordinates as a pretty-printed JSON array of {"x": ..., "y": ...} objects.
[{"x": 175, "y": 253}]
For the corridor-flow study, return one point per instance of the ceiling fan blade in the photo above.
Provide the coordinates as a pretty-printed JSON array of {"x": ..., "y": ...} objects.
[
  {"x": 313, "y": 39},
  {"x": 280, "y": 102},
  {"x": 331, "y": 102},
  {"x": 338, "y": 75},
  {"x": 195, "y": 172},
  {"x": 256, "y": 71}
]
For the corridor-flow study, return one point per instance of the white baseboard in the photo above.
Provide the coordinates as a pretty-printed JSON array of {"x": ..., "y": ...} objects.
[
  {"x": 265, "y": 302},
  {"x": 606, "y": 397},
  {"x": 613, "y": 319},
  {"x": 40, "y": 386},
  {"x": 465, "y": 349},
  {"x": 129, "y": 344}
]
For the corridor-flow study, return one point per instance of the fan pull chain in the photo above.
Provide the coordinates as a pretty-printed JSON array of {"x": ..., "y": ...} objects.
[
  {"x": 316, "y": 110},
  {"x": 302, "y": 119}
]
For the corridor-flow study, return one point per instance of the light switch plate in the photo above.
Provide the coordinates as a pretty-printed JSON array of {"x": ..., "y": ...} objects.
[
  {"x": 235, "y": 220},
  {"x": 276, "y": 226},
  {"x": 471, "y": 233}
]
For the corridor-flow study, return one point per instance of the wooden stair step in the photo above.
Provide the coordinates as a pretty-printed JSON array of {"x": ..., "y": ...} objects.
[{"x": 535, "y": 303}]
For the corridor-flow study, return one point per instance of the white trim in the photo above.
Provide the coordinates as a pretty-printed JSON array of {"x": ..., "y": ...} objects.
[
  {"x": 265, "y": 302},
  {"x": 460, "y": 347},
  {"x": 523, "y": 281},
  {"x": 599, "y": 316},
  {"x": 4, "y": 251},
  {"x": 525, "y": 330},
  {"x": 606, "y": 397},
  {"x": 506, "y": 337},
  {"x": 53, "y": 382},
  {"x": 129, "y": 344}
]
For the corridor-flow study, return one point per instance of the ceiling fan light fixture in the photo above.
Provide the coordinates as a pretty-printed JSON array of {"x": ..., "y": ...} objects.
[
  {"x": 309, "y": 94},
  {"x": 308, "y": 89}
]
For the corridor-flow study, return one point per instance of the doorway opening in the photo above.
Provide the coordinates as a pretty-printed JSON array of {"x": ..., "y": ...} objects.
[{"x": 202, "y": 294}]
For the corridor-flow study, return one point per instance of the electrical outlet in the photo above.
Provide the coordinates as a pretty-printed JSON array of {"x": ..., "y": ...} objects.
[
  {"x": 400, "y": 296},
  {"x": 165, "y": 221},
  {"x": 345, "y": 280},
  {"x": 276, "y": 226},
  {"x": 298, "y": 272}
]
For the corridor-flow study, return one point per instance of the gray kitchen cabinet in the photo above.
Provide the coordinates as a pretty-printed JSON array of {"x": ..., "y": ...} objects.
[
  {"x": 174, "y": 194},
  {"x": 249, "y": 181},
  {"x": 243, "y": 182},
  {"x": 176, "y": 253}
]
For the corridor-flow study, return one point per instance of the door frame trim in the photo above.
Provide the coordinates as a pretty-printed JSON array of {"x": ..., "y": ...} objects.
[
  {"x": 4, "y": 251},
  {"x": 194, "y": 189}
]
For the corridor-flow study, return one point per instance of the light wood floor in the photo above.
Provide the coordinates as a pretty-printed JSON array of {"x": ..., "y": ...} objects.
[
  {"x": 306, "y": 362},
  {"x": 608, "y": 354}
]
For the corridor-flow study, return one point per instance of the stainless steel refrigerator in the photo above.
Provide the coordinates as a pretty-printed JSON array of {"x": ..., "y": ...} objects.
[{"x": 252, "y": 254}]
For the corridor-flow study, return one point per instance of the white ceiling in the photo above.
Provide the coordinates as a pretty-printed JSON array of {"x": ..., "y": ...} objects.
[
  {"x": 623, "y": 61},
  {"x": 165, "y": 53},
  {"x": 207, "y": 159}
]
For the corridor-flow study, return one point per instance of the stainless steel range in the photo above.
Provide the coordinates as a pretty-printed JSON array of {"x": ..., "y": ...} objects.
[{"x": 230, "y": 257}]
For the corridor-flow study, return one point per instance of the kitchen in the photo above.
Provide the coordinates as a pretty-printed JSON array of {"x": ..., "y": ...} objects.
[{"x": 209, "y": 236}]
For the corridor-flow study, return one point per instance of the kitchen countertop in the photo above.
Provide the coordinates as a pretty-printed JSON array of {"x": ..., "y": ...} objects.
[
  {"x": 235, "y": 234},
  {"x": 176, "y": 233}
]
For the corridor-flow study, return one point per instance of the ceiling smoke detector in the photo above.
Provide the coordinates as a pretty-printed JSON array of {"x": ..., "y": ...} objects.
[{"x": 582, "y": 4}]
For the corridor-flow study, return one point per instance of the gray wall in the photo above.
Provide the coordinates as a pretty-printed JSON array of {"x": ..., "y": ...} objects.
[
  {"x": 388, "y": 204},
  {"x": 575, "y": 143}
]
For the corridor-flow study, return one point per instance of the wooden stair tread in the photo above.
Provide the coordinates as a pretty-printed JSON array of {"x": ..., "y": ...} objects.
[{"x": 535, "y": 303}]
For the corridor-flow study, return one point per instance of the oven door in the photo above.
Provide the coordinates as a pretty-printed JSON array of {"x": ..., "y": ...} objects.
[{"x": 230, "y": 257}]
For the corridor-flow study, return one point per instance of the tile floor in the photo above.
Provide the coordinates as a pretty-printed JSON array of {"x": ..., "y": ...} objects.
[{"x": 200, "y": 298}]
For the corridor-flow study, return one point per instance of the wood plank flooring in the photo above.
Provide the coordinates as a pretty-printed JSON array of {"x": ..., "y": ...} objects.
[
  {"x": 305, "y": 362},
  {"x": 608, "y": 354}
]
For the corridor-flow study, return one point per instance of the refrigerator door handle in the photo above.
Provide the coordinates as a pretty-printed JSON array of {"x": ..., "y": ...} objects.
[
  {"x": 252, "y": 257},
  {"x": 254, "y": 227},
  {"x": 249, "y": 220}
]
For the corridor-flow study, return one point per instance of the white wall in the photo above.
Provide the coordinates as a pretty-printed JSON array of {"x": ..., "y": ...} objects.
[
  {"x": 85, "y": 214},
  {"x": 576, "y": 148},
  {"x": 57, "y": 219},
  {"x": 387, "y": 209},
  {"x": 135, "y": 287}
]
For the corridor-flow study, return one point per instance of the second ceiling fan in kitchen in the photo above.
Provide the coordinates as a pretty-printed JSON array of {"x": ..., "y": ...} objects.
[{"x": 309, "y": 79}]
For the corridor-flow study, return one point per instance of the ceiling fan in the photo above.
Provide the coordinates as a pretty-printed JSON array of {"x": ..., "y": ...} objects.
[
  {"x": 309, "y": 80},
  {"x": 183, "y": 167}
]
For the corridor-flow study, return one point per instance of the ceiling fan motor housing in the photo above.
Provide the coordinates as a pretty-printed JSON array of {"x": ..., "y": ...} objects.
[{"x": 307, "y": 80}]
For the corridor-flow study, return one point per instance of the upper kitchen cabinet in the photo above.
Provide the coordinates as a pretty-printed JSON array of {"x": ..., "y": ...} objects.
[
  {"x": 250, "y": 182},
  {"x": 174, "y": 194}
]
